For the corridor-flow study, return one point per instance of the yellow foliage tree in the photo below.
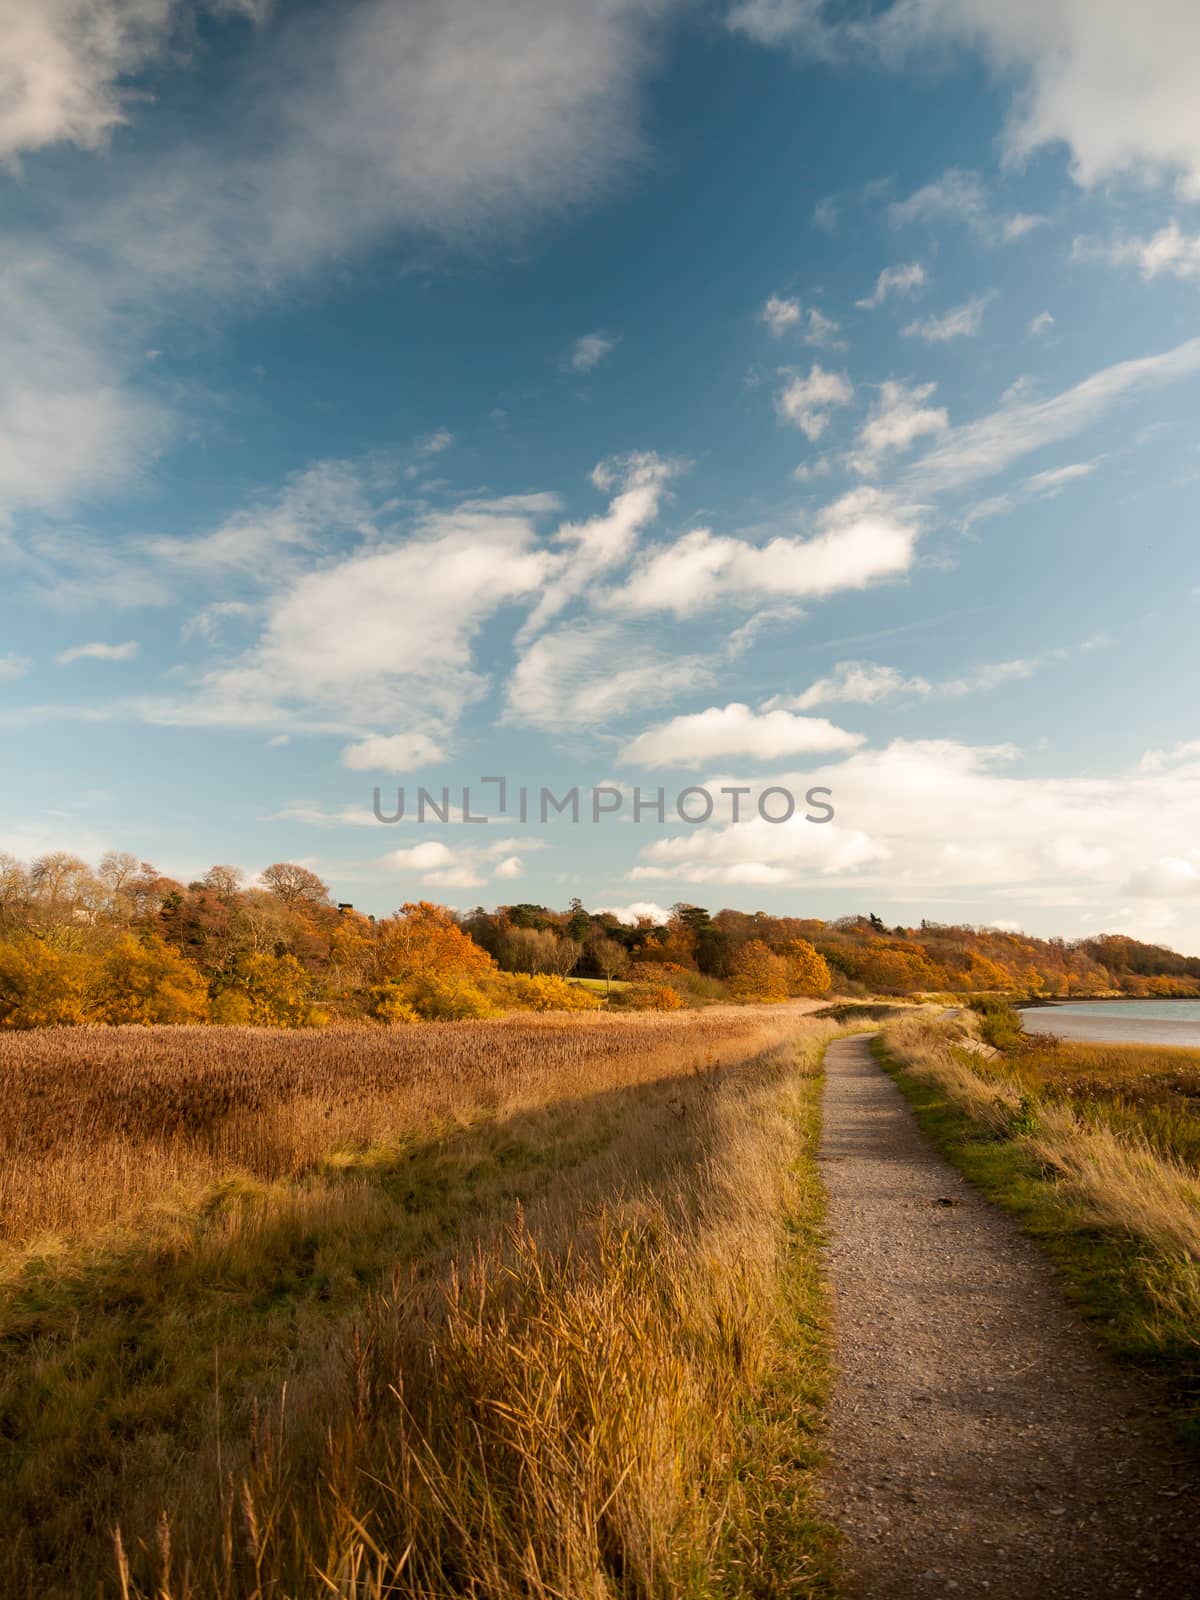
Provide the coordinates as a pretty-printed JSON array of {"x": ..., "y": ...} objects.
[
  {"x": 145, "y": 981},
  {"x": 43, "y": 985},
  {"x": 268, "y": 991},
  {"x": 759, "y": 974},
  {"x": 808, "y": 971}
]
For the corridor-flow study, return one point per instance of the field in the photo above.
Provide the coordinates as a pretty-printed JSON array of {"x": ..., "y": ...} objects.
[
  {"x": 525, "y": 1307},
  {"x": 1097, "y": 1149}
]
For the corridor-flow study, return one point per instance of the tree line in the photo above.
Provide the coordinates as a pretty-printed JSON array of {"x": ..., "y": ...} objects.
[{"x": 121, "y": 942}]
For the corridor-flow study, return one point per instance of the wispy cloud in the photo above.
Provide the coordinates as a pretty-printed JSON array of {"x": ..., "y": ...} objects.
[
  {"x": 98, "y": 652},
  {"x": 985, "y": 447},
  {"x": 589, "y": 351},
  {"x": 901, "y": 280},
  {"x": 1168, "y": 253},
  {"x": 960, "y": 322}
]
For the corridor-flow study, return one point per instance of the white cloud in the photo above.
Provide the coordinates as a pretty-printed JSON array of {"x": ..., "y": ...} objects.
[
  {"x": 822, "y": 330},
  {"x": 1039, "y": 325},
  {"x": 61, "y": 62},
  {"x": 807, "y": 401},
  {"x": 1019, "y": 224},
  {"x": 1166, "y": 878},
  {"x": 13, "y": 666},
  {"x": 98, "y": 652},
  {"x": 584, "y": 675},
  {"x": 780, "y": 315},
  {"x": 928, "y": 817},
  {"x": 825, "y": 215},
  {"x": 510, "y": 867},
  {"x": 378, "y": 636},
  {"x": 869, "y": 683},
  {"x": 900, "y": 280},
  {"x": 1170, "y": 252},
  {"x": 861, "y": 539},
  {"x": 734, "y": 730},
  {"x": 784, "y": 316},
  {"x": 855, "y": 683},
  {"x": 958, "y": 323},
  {"x": 589, "y": 351},
  {"x": 208, "y": 622},
  {"x": 982, "y": 448},
  {"x": 1121, "y": 99},
  {"x": 317, "y": 506},
  {"x": 370, "y": 120},
  {"x": 1052, "y": 482},
  {"x": 590, "y": 548},
  {"x": 433, "y": 444},
  {"x": 898, "y": 419},
  {"x": 630, "y": 914},
  {"x": 957, "y": 195},
  {"x": 396, "y": 752}
]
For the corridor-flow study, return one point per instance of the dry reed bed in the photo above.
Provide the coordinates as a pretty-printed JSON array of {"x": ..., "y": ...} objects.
[
  {"x": 610, "y": 1400},
  {"x": 98, "y": 1123}
]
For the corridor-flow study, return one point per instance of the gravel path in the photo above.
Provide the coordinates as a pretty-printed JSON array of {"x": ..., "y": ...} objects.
[{"x": 980, "y": 1443}]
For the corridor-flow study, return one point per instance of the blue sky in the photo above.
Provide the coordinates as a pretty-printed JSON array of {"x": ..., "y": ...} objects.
[{"x": 767, "y": 393}]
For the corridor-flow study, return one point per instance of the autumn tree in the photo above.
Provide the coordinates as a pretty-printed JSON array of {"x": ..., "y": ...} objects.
[
  {"x": 808, "y": 971},
  {"x": 145, "y": 981},
  {"x": 295, "y": 885},
  {"x": 610, "y": 959},
  {"x": 759, "y": 974}
]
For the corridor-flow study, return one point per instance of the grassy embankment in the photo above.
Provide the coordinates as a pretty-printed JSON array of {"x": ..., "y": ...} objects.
[
  {"x": 528, "y": 1307},
  {"x": 1096, "y": 1148}
]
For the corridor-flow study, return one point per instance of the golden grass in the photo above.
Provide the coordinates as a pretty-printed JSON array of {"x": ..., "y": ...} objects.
[
  {"x": 1119, "y": 1177},
  {"x": 540, "y": 1317},
  {"x": 98, "y": 1123}
]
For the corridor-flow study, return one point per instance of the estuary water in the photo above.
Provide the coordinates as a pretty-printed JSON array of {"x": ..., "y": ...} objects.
[{"x": 1169, "y": 1022}]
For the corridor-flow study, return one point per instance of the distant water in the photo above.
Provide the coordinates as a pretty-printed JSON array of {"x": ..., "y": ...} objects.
[{"x": 1170, "y": 1022}]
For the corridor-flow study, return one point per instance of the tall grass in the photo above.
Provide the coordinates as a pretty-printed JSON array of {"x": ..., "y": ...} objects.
[
  {"x": 99, "y": 1123},
  {"x": 565, "y": 1340},
  {"x": 1082, "y": 1171}
]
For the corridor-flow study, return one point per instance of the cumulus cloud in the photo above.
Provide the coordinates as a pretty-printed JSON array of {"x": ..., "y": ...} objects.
[
  {"x": 1121, "y": 99},
  {"x": 806, "y": 402},
  {"x": 734, "y": 730},
  {"x": 396, "y": 752},
  {"x": 631, "y": 914},
  {"x": 927, "y": 818}
]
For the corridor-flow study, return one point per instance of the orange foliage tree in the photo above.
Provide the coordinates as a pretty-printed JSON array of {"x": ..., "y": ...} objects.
[{"x": 759, "y": 974}]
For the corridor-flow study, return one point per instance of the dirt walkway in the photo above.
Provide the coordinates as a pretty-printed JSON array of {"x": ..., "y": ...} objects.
[{"x": 980, "y": 1444}]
